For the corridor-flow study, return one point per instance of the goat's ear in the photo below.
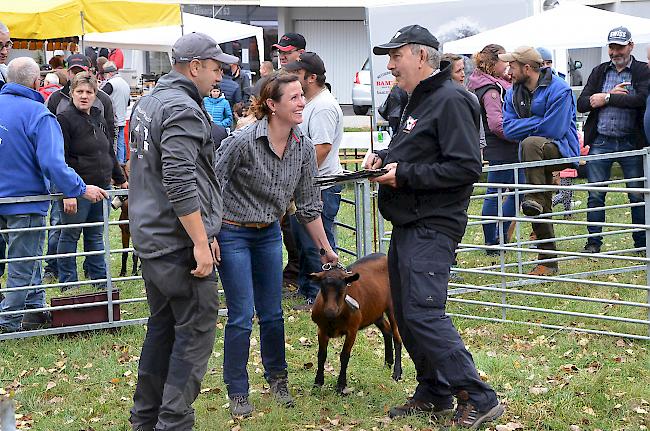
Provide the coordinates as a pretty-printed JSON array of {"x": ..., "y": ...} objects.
[
  {"x": 314, "y": 276},
  {"x": 352, "y": 278}
]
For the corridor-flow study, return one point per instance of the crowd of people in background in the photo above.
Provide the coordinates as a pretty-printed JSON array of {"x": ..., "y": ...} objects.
[
  {"x": 528, "y": 114},
  {"x": 222, "y": 175}
]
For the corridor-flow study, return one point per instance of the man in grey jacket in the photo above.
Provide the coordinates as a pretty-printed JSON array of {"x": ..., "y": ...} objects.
[{"x": 175, "y": 209}]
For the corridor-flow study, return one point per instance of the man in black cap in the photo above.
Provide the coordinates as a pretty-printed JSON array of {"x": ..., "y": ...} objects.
[
  {"x": 432, "y": 163},
  {"x": 615, "y": 97},
  {"x": 175, "y": 210},
  {"x": 289, "y": 47},
  {"x": 323, "y": 124}
]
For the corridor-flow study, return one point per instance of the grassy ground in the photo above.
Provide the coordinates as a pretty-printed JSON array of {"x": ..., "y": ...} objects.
[{"x": 550, "y": 380}]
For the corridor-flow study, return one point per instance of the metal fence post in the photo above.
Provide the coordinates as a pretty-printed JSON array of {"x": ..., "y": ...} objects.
[
  {"x": 646, "y": 199},
  {"x": 358, "y": 216},
  {"x": 502, "y": 252},
  {"x": 367, "y": 220},
  {"x": 520, "y": 267},
  {"x": 107, "y": 259}
]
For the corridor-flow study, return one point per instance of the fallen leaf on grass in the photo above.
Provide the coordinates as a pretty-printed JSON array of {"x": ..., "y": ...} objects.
[
  {"x": 569, "y": 368},
  {"x": 307, "y": 365},
  {"x": 50, "y": 385},
  {"x": 537, "y": 390},
  {"x": 589, "y": 411},
  {"x": 574, "y": 428},
  {"x": 510, "y": 426},
  {"x": 640, "y": 411}
]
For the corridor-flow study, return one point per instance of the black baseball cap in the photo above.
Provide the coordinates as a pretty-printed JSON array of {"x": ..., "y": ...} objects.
[
  {"x": 309, "y": 61},
  {"x": 290, "y": 41},
  {"x": 619, "y": 36},
  {"x": 79, "y": 60},
  {"x": 406, "y": 35},
  {"x": 199, "y": 46}
]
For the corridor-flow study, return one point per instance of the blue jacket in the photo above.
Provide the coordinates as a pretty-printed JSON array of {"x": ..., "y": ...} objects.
[
  {"x": 31, "y": 152},
  {"x": 219, "y": 110},
  {"x": 230, "y": 90},
  {"x": 552, "y": 114}
]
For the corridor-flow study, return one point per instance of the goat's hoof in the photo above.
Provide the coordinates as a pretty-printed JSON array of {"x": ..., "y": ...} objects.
[
  {"x": 342, "y": 391},
  {"x": 318, "y": 385},
  {"x": 122, "y": 274},
  {"x": 397, "y": 377}
]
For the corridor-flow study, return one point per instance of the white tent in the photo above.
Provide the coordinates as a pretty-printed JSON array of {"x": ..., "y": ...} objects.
[
  {"x": 566, "y": 26},
  {"x": 163, "y": 38}
]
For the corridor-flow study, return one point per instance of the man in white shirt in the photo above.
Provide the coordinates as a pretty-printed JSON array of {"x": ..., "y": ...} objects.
[
  {"x": 323, "y": 124},
  {"x": 120, "y": 93}
]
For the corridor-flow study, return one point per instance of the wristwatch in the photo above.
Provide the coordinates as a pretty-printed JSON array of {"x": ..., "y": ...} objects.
[{"x": 607, "y": 96}]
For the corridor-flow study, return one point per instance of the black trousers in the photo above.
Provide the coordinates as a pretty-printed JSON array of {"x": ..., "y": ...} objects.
[
  {"x": 178, "y": 344},
  {"x": 419, "y": 260}
]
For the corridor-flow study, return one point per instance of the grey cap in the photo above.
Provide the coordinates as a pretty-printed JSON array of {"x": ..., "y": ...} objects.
[{"x": 199, "y": 46}]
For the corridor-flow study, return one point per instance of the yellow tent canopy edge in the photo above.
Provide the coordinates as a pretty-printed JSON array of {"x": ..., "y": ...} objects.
[{"x": 51, "y": 19}]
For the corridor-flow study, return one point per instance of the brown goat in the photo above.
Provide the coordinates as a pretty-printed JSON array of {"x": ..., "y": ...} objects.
[
  {"x": 126, "y": 233},
  {"x": 366, "y": 282}
]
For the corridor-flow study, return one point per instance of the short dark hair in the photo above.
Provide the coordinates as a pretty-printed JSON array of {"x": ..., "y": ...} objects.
[{"x": 320, "y": 79}]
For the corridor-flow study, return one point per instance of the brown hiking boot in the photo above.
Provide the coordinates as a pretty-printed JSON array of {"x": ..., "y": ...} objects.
[
  {"x": 417, "y": 407},
  {"x": 469, "y": 417},
  {"x": 544, "y": 271}
]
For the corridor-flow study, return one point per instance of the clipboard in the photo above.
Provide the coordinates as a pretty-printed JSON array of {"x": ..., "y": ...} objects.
[{"x": 346, "y": 177}]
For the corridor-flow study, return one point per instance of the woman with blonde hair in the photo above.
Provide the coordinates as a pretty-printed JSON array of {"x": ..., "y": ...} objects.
[
  {"x": 489, "y": 82},
  {"x": 261, "y": 167}
]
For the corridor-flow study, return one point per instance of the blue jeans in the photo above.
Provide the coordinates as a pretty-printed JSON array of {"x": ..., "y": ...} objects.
[
  {"x": 87, "y": 212},
  {"x": 121, "y": 146},
  {"x": 601, "y": 170},
  {"x": 53, "y": 235},
  {"x": 24, "y": 273},
  {"x": 490, "y": 204},
  {"x": 251, "y": 275},
  {"x": 309, "y": 254}
]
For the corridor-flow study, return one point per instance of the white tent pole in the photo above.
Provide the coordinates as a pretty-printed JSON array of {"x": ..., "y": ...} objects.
[
  {"x": 83, "y": 32},
  {"x": 182, "y": 24}
]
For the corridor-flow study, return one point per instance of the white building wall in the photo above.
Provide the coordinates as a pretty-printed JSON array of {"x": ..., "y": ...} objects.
[{"x": 337, "y": 35}]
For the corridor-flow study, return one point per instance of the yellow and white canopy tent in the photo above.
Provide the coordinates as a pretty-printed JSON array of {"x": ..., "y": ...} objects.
[{"x": 52, "y": 19}]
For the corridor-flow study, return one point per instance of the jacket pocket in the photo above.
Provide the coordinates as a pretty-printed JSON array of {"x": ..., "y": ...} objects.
[{"x": 428, "y": 283}]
